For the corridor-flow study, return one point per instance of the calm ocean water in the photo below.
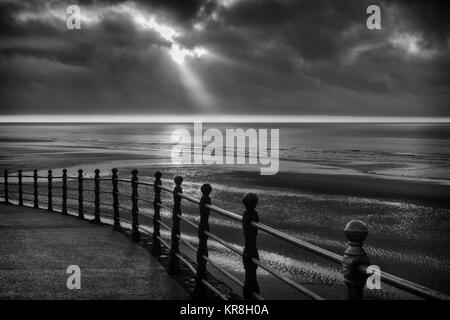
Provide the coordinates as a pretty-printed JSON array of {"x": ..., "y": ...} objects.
[
  {"x": 408, "y": 238},
  {"x": 412, "y": 150}
]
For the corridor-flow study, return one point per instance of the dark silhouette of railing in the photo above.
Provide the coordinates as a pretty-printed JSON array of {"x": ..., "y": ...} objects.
[{"x": 355, "y": 262}]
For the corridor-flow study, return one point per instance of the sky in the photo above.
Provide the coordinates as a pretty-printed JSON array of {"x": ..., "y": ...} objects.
[{"x": 225, "y": 57}]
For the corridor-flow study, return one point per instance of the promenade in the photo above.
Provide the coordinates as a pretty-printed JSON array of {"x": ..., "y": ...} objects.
[{"x": 37, "y": 246}]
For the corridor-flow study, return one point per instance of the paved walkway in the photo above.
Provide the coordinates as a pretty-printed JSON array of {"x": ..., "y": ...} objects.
[{"x": 37, "y": 246}]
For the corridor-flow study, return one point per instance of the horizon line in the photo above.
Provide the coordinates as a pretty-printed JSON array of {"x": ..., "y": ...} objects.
[{"x": 98, "y": 118}]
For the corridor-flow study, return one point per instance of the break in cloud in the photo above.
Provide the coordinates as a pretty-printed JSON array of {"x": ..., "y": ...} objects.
[{"x": 225, "y": 57}]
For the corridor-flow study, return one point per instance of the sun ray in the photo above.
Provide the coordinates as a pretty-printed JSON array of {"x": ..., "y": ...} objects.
[{"x": 195, "y": 87}]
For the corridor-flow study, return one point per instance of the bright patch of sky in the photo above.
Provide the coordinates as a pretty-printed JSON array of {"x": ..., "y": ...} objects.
[{"x": 91, "y": 15}]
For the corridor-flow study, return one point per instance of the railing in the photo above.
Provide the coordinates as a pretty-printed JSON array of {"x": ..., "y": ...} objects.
[{"x": 355, "y": 262}]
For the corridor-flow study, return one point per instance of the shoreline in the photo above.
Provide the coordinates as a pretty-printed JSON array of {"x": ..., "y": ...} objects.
[{"x": 357, "y": 185}]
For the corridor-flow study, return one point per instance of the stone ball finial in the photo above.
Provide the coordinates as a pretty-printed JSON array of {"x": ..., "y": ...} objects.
[
  {"x": 206, "y": 189},
  {"x": 250, "y": 201},
  {"x": 178, "y": 180},
  {"x": 158, "y": 174},
  {"x": 134, "y": 172},
  {"x": 356, "y": 231}
]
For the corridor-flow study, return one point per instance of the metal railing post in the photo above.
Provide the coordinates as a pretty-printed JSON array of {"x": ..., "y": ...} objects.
[
  {"x": 135, "y": 235},
  {"x": 202, "y": 251},
  {"x": 35, "y": 189},
  {"x": 156, "y": 246},
  {"x": 5, "y": 177},
  {"x": 19, "y": 176},
  {"x": 80, "y": 194},
  {"x": 355, "y": 232},
  {"x": 97, "y": 198},
  {"x": 115, "y": 192},
  {"x": 50, "y": 192},
  {"x": 251, "y": 286},
  {"x": 64, "y": 192},
  {"x": 174, "y": 265}
]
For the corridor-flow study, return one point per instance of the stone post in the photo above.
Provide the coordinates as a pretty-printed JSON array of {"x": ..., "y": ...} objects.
[
  {"x": 174, "y": 267},
  {"x": 50, "y": 191},
  {"x": 96, "y": 197},
  {"x": 19, "y": 176},
  {"x": 64, "y": 192},
  {"x": 115, "y": 193},
  {"x": 80, "y": 194},
  {"x": 35, "y": 189},
  {"x": 250, "y": 201},
  {"x": 355, "y": 232},
  {"x": 135, "y": 235},
  {"x": 202, "y": 251},
  {"x": 156, "y": 246},
  {"x": 5, "y": 177}
]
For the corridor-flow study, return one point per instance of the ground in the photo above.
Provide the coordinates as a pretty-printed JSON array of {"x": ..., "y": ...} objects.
[{"x": 37, "y": 247}]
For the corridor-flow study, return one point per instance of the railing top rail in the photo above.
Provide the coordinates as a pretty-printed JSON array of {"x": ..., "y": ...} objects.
[
  {"x": 224, "y": 212},
  {"x": 278, "y": 234},
  {"x": 145, "y": 183},
  {"x": 165, "y": 188},
  {"x": 189, "y": 198},
  {"x": 299, "y": 243},
  {"x": 408, "y": 286}
]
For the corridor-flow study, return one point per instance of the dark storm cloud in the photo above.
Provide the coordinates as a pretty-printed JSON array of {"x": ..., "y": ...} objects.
[
  {"x": 182, "y": 11},
  {"x": 431, "y": 17},
  {"x": 265, "y": 56}
]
